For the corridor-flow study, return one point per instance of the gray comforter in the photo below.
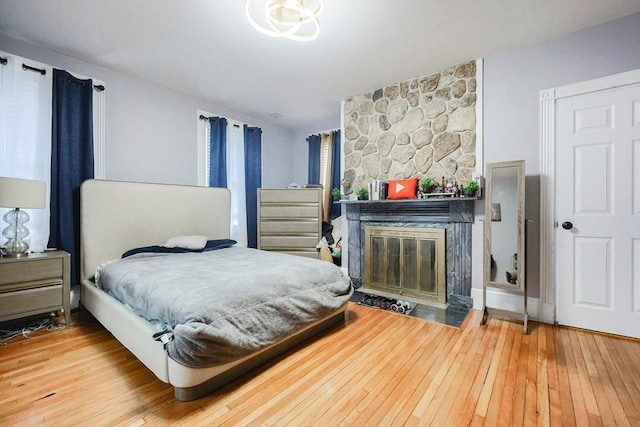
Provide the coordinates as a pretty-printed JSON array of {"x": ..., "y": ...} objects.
[{"x": 225, "y": 304}]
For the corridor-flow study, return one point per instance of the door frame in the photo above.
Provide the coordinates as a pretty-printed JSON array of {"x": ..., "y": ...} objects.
[{"x": 547, "y": 307}]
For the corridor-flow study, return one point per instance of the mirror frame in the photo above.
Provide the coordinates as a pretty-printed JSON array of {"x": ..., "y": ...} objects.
[{"x": 491, "y": 168}]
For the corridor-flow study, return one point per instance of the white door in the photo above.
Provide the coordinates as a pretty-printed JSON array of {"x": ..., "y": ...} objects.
[{"x": 598, "y": 210}]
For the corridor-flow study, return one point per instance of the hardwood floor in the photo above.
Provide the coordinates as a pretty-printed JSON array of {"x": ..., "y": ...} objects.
[{"x": 380, "y": 369}]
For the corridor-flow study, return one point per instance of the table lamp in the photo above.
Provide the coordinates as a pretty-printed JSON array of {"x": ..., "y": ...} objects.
[{"x": 19, "y": 194}]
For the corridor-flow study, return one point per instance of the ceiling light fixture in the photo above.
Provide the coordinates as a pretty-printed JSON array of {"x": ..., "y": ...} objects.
[{"x": 292, "y": 19}]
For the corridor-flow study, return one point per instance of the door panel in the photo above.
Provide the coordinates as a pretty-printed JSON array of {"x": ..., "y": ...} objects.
[
  {"x": 636, "y": 177},
  {"x": 592, "y": 191},
  {"x": 636, "y": 275},
  {"x": 598, "y": 191},
  {"x": 593, "y": 265},
  {"x": 588, "y": 119}
]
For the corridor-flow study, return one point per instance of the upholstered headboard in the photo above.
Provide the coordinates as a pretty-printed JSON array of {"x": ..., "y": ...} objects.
[{"x": 117, "y": 216}]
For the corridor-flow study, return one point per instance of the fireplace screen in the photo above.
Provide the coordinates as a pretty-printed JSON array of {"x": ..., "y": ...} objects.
[{"x": 406, "y": 261}]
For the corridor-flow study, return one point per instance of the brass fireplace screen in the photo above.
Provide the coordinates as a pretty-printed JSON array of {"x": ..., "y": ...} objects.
[{"x": 406, "y": 261}]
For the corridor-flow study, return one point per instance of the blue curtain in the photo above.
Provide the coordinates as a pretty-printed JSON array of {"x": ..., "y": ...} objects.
[
  {"x": 252, "y": 179},
  {"x": 313, "y": 176},
  {"x": 71, "y": 161},
  {"x": 218, "y": 152},
  {"x": 335, "y": 173}
]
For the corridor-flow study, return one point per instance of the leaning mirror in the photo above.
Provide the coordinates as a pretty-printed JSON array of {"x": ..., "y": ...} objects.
[
  {"x": 504, "y": 226},
  {"x": 504, "y": 237}
]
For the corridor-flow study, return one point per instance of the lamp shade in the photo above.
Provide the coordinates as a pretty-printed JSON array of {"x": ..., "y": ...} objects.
[{"x": 22, "y": 193}]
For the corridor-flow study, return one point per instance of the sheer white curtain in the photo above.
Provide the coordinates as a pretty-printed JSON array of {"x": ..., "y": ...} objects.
[
  {"x": 25, "y": 135},
  {"x": 235, "y": 181},
  {"x": 235, "y": 171},
  {"x": 326, "y": 158}
]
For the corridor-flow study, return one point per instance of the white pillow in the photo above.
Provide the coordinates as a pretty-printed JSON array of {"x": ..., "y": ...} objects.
[{"x": 187, "y": 242}]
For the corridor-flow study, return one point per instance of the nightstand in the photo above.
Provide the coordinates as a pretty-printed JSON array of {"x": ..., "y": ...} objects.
[{"x": 35, "y": 284}]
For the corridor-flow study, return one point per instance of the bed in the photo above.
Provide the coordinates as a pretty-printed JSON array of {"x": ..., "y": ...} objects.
[{"x": 119, "y": 216}]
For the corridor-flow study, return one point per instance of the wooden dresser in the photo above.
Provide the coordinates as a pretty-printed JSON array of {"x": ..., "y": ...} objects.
[
  {"x": 35, "y": 284},
  {"x": 290, "y": 220}
]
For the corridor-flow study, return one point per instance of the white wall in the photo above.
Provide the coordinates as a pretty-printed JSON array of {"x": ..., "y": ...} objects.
[
  {"x": 512, "y": 82},
  {"x": 151, "y": 131}
]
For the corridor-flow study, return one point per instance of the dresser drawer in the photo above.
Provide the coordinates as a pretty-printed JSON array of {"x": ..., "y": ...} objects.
[
  {"x": 289, "y": 227},
  {"x": 289, "y": 211},
  {"x": 30, "y": 271},
  {"x": 286, "y": 242},
  {"x": 290, "y": 196},
  {"x": 30, "y": 301}
]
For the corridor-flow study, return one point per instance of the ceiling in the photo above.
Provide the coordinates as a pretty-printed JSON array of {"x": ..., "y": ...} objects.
[{"x": 206, "y": 48}]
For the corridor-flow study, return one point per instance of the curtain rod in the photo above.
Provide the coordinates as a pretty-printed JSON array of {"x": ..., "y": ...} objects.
[
  {"x": 99, "y": 88},
  {"x": 324, "y": 131},
  {"x": 38, "y": 70},
  {"x": 205, "y": 118},
  {"x": 3, "y": 61}
]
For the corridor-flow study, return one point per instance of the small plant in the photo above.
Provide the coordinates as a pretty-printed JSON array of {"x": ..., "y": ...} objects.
[
  {"x": 362, "y": 193},
  {"x": 471, "y": 188},
  {"x": 336, "y": 193},
  {"x": 473, "y": 185},
  {"x": 427, "y": 184}
]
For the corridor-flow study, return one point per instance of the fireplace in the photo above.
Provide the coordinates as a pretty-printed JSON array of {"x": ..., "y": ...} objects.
[
  {"x": 406, "y": 261},
  {"x": 452, "y": 216}
]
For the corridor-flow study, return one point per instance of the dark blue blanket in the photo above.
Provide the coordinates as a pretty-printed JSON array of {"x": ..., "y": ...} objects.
[{"x": 211, "y": 245}]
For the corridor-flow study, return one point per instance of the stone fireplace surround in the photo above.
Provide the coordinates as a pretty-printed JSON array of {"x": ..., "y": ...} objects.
[{"x": 454, "y": 214}]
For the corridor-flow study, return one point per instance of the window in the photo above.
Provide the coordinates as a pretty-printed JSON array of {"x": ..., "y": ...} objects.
[
  {"x": 25, "y": 131},
  {"x": 242, "y": 191},
  {"x": 235, "y": 181},
  {"x": 324, "y": 168}
]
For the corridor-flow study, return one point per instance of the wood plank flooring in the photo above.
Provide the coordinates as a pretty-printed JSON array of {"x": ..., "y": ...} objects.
[{"x": 381, "y": 368}]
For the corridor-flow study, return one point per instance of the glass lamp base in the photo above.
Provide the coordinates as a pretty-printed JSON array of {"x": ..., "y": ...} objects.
[
  {"x": 15, "y": 232},
  {"x": 16, "y": 248}
]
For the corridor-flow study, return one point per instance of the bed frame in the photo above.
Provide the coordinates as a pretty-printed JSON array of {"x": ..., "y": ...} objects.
[{"x": 117, "y": 216}]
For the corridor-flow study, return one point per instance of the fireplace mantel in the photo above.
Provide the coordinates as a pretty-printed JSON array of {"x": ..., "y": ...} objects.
[
  {"x": 446, "y": 209},
  {"x": 454, "y": 214}
]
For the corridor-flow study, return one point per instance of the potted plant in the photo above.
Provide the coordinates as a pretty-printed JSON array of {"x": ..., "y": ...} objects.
[
  {"x": 472, "y": 188},
  {"x": 363, "y": 194},
  {"x": 426, "y": 184},
  {"x": 336, "y": 194}
]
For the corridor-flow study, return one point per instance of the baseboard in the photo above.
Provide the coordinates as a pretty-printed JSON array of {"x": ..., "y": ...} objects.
[
  {"x": 506, "y": 301},
  {"x": 75, "y": 297},
  {"x": 547, "y": 313}
]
